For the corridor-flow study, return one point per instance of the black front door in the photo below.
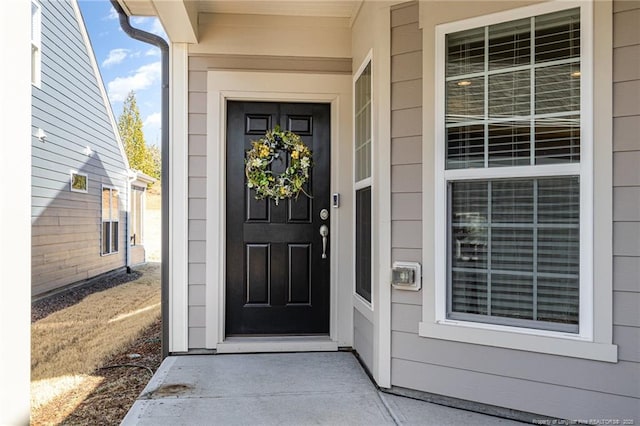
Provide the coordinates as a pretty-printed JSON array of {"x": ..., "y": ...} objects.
[{"x": 277, "y": 279}]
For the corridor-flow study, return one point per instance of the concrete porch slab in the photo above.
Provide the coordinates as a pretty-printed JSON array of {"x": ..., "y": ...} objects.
[{"x": 279, "y": 389}]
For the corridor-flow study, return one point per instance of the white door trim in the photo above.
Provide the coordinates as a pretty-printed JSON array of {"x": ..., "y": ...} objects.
[{"x": 223, "y": 85}]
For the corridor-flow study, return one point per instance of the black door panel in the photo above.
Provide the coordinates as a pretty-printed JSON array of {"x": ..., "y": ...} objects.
[{"x": 277, "y": 281}]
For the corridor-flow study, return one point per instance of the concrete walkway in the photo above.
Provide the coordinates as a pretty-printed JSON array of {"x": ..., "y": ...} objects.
[{"x": 322, "y": 388}]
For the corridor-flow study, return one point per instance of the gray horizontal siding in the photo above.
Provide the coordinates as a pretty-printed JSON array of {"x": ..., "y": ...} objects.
[
  {"x": 197, "y": 170},
  {"x": 406, "y": 144},
  {"x": 532, "y": 382},
  {"x": 66, "y": 226},
  {"x": 576, "y": 373},
  {"x": 197, "y": 202},
  {"x": 499, "y": 390},
  {"x": 626, "y": 184}
]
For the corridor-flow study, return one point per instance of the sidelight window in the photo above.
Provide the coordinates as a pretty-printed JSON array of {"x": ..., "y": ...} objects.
[{"x": 363, "y": 143}]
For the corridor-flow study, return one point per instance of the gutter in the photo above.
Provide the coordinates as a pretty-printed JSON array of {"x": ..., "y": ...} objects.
[{"x": 159, "y": 42}]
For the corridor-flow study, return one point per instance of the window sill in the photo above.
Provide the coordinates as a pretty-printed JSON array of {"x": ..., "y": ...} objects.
[
  {"x": 529, "y": 340},
  {"x": 362, "y": 306}
]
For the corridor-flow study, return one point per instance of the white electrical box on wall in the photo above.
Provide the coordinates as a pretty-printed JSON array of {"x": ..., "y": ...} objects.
[{"x": 406, "y": 276}]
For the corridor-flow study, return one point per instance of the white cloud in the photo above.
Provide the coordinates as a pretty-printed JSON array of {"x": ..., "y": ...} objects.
[
  {"x": 142, "y": 78},
  {"x": 112, "y": 14},
  {"x": 154, "y": 51},
  {"x": 115, "y": 56},
  {"x": 152, "y": 120},
  {"x": 151, "y": 128},
  {"x": 139, "y": 20},
  {"x": 157, "y": 29}
]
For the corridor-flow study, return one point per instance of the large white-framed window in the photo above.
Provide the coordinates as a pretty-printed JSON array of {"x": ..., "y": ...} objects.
[
  {"x": 363, "y": 141},
  {"x": 36, "y": 46},
  {"x": 512, "y": 173},
  {"x": 110, "y": 220},
  {"x": 513, "y": 182}
]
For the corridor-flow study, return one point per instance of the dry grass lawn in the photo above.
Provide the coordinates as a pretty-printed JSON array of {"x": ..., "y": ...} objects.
[{"x": 68, "y": 345}]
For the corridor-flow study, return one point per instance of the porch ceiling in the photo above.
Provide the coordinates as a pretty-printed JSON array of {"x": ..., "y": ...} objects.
[{"x": 180, "y": 17}]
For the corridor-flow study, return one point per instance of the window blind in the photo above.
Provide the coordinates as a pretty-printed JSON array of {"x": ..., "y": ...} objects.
[
  {"x": 514, "y": 251},
  {"x": 362, "y": 122},
  {"x": 513, "y": 93}
]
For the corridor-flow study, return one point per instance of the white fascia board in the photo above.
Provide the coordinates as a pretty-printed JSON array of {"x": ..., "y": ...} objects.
[{"x": 179, "y": 19}]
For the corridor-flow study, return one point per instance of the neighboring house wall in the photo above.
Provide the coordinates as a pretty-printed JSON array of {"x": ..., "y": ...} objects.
[
  {"x": 70, "y": 108},
  {"x": 531, "y": 382},
  {"x": 137, "y": 255}
]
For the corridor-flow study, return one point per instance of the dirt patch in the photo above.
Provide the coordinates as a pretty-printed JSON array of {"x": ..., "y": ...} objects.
[
  {"x": 121, "y": 384},
  {"x": 169, "y": 390}
]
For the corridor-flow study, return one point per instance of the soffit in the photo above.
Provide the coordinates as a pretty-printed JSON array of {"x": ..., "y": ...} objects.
[
  {"x": 179, "y": 17},
  {"x": 330, "y": 8},
  {"x": 138, "y": 7}
]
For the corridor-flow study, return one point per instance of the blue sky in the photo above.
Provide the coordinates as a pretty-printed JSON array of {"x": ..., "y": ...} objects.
[{"x": 126, "y": 64}]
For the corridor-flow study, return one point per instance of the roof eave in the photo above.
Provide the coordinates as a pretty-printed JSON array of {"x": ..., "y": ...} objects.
[{"x": 179, "y": 18}]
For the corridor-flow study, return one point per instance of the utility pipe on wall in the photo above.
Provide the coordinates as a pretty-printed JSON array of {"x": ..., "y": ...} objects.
[{"x": 159, "y": 42}]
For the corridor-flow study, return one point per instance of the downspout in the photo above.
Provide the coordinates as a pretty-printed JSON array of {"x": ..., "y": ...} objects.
[{"x": 160, "y": 43}]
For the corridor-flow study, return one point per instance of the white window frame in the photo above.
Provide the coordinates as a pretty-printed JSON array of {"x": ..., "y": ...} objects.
[
  {"x": 435, "y": 324},
  {"x": 73, "y": 173},
  {"x": 36, "y": 44},
  {"x": 136, "y": 191},
  {"x": 363, "y": 305},
  {"x": 111, "y": 220}
]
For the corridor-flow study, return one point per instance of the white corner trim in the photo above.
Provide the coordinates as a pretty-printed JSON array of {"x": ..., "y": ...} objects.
[
  {"x": 223, "y": 85},
  {"x": 15, "y": 213},
  {"x": 178, "y": 201},
  {"x": 602, "y": 98},
  {"x": 382, "y": 197}
]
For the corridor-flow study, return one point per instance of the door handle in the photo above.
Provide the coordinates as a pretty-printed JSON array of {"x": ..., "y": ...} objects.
[{"x": 324, "y": 232}]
